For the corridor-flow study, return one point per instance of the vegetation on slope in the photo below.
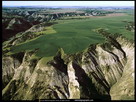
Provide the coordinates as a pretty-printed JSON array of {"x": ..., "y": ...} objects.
[{"x": 74, "y": 35}]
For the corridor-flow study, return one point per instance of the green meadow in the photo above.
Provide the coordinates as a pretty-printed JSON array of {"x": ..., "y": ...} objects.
[{"x": 74, "y": 35}]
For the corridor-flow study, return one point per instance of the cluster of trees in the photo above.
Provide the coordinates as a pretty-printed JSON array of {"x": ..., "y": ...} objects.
[
  {"x": 130, "y": 26},
  {"x": 97, "y": 12}
]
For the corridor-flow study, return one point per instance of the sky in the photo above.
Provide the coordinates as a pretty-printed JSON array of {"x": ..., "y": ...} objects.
[{"x": 67, "y": 3}]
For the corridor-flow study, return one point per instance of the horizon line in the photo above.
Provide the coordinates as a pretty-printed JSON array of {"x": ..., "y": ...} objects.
[{"x": 64, "y": 6}]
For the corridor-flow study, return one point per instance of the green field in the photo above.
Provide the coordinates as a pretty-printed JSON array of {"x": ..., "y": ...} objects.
[{"x": 74, "y": 35}]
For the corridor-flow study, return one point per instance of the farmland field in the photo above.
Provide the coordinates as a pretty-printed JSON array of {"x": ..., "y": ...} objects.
[{"x": 75, "y": 35}]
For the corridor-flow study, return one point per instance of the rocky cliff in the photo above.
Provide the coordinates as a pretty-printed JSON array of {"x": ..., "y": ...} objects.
[{"x": 99, "y": 72}]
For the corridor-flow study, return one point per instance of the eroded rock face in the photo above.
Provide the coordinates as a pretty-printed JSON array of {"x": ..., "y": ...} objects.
[
  {"x": 8, "y": 70},
  {"x": 14, "y": 26},
  {"x": 124, "y": 88},
  {"x": 97, "y": 73},
  {"x": 74, "y": 90}
]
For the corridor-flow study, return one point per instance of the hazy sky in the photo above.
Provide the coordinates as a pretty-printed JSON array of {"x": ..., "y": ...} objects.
[{"x": 68, "y": 3}]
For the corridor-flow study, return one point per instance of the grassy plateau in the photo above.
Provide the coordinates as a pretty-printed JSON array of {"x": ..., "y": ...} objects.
[{"x": 74, "y": 35}]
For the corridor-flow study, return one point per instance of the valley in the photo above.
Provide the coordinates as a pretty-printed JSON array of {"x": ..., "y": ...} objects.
[{"x": 68, "y": 53}]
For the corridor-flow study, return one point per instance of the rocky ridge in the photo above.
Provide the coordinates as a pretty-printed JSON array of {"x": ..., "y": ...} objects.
[{"x": 100, "y": 72}]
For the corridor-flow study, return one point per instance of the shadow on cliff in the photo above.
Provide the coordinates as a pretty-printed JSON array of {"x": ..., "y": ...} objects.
[{"x": 87, "y": 88}]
